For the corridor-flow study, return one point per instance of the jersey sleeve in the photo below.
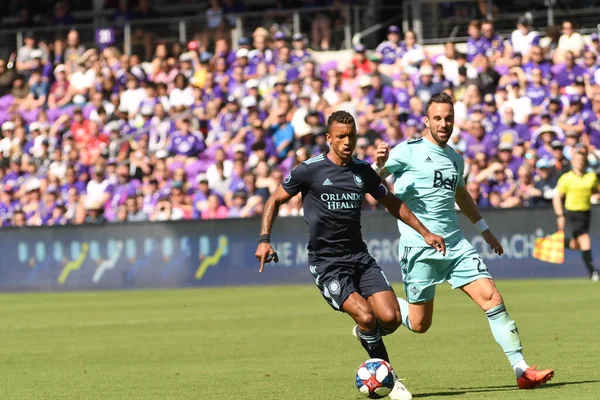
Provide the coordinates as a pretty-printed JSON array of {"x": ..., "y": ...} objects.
[
  {"x": 398, "y": 160},
  {"x": 297, "y": 181},
  {"x": 561, "y": 186},
  {"x": 374, "y": 184}
]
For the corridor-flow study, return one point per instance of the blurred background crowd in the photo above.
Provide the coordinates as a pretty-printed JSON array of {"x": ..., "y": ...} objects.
[{"x": 197, "y": 130}]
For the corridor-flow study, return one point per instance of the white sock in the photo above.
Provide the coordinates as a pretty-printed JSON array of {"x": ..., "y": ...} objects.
[{"x": 519, "y": 368}]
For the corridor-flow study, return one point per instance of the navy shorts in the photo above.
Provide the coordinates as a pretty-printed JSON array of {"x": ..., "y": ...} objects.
[{"x": 336, "y": 278}]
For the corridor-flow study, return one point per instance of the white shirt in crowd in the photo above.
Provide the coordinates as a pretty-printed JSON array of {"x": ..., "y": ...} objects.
[
  {"x": 573, "y": 43},
  {"x": 108, "y": 107},
  {"x": 180, "y": 97},
  {"x": 131, "y": 99},
  {"x": 521, "y": 106},
  {"x": 522, "y": 43},
  {"x": 95, "y": 191},
  {"x": 82, "y": 80},
  {"x": 213, "y": 176}
]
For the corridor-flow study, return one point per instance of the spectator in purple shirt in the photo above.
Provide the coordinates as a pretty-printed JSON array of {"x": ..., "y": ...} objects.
[
  {"x": 477, "y": 141},
  {"x": 124, "y": 187},
  {"x": 416, "y": 114},
  {"x": 283, "y": 64},
  {"x": 223, "y": 52},
  {"x": 220, "y": 72},
  {"x": 261, "y": 53},
  {"x": 536, "y": 60},
  {"x": 572, "y": 119},
  {"x": 508, "y": 160},
  {"x": 591, "y": 136},
  {"x": 185, "y": 143},
  {"x": 536, "y": 90},
  {"x": 244, "y": 207},
  {"x": 510, "y": 131},
  {"x": 201, "y": 196},
  {"x": 544, "y": 138},
  {"x": 590, "y": 65},
  {"x": 567, "y": 74},
  {"x": 388, "y": 50},
  {"x": 490, "y": 110},
  {"x": 475, "y": 43},
  {"x": 242, "y": 61},
  {"x": 502, "y": 185},
  {"x": 492, "y": 43},
  {"x": 381, "y": 99},
  {"x": 236, "y": 86},
  {"x": 6, "y": 204},
  {"x": 554, "y": 107},
  {"x": 257, "y": 134},
  {"x": 403, "y": 96},
  {"x": 231, "y": 119},
  {"x": 299, "y": 54}
]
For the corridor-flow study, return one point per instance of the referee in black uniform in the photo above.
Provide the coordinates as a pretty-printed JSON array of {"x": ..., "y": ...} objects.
[{"x": 576, "y": 187}]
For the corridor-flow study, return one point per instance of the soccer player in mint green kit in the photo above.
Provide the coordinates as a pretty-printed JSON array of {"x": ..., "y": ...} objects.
[{"x": 428, "y": 177}]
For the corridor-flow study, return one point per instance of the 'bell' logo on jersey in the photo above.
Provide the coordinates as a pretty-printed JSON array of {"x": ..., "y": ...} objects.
[{"x": 447, "y": 183}]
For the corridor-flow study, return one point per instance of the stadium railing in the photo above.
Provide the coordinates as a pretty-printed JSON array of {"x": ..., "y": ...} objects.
[{"x": 181, "y": 29}]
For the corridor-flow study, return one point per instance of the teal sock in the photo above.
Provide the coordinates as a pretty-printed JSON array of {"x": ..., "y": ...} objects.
[
  {"x": 506, "y": 334},
  {"x": 404, "y": 311}
]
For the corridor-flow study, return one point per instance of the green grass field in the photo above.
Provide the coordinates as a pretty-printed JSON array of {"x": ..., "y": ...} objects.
[{"x": 283, "y": 343}]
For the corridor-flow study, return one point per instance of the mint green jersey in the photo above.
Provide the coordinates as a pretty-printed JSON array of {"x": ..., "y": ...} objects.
[{"x": 425, "y": 178}]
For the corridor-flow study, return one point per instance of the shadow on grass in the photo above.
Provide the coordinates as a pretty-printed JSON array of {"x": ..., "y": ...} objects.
[
  {"x": 503, "y": 388},
  {"x": 559, "y": 384},
  {"x": 436, "y": 394}
]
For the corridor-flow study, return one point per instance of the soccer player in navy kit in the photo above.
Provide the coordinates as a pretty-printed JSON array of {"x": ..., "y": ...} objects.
[{"x": 333, "y": 186}]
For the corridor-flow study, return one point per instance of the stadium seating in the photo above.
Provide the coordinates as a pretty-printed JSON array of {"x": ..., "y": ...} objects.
[{"x": 91, "y": 135}]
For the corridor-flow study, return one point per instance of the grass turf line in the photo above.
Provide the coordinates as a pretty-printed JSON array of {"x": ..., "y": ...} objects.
[{"x": 283, "y": 342}]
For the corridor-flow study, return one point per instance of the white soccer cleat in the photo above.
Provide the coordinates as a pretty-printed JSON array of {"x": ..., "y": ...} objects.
[
  {"x": 400, "y": 392},
  {"x": 595, "y": 277}
]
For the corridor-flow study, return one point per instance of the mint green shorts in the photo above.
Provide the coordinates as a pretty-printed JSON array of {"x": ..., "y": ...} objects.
[{"x": 423, "y": 268}]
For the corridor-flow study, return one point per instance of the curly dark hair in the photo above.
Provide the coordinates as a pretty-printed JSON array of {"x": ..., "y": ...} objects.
[{"x": 341, "y": 117}]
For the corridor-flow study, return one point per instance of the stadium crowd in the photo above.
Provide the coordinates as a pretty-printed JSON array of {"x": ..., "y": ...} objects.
[{"x": 90, "y": 135}]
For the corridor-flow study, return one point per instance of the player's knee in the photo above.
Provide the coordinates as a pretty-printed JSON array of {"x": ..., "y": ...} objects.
[
  {"x": 420, "y": 326},
  {"x": 390, "y": 319},
  {"x": 492, "y": 298},
  {"x": 366, "y": 320}
]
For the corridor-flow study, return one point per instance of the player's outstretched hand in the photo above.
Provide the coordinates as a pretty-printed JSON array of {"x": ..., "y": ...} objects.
[
  {"x": 381, "y": 154},
  {"x": 265, "y": 254},
  {"x": 493, "y": 242},
  {"x": 437, "y": 242}
]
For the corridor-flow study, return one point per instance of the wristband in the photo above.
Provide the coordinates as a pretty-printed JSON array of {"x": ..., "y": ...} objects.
[
  {"x": 481, "y": 226},
  {"x": 376, "y": 168},
  {"x": 559, "y": 215},
  {"x": 264, "y": 239}
]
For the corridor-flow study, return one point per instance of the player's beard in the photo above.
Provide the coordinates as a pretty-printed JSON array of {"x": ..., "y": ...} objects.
[{"x": 439, "y": 140}]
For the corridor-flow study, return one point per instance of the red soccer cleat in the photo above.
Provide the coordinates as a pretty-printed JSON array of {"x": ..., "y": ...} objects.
[{"x": 533, "y": 378}]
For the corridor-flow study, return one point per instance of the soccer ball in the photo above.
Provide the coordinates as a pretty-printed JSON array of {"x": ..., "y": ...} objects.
[{"x": 375, "y": 378}]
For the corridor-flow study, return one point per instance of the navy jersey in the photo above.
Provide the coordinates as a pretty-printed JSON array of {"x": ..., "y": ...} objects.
[{"x": 332, "y": 198}]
